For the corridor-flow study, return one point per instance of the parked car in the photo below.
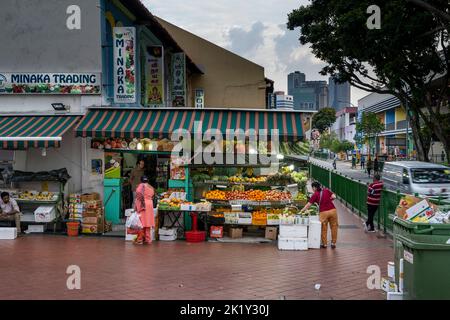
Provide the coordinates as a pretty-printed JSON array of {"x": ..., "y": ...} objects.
[{"x": 423, "y": 178}]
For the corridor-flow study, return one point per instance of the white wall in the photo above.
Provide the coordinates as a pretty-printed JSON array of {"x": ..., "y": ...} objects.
[{"x": 90, "y": 183}]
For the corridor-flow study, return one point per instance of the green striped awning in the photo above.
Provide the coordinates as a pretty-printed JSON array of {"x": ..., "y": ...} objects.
[
  {"x": 160, "y": 123},
  {"x": 22, "y": 132}
]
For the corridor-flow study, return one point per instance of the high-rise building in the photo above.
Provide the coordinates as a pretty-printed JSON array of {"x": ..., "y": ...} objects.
[
  {"x": 338, "y": 94},
  {"x": 308, "y": 95},
  {"x": 285, "y": 102}
]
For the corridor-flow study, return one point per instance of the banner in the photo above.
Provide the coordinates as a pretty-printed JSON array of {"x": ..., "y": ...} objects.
[
  {"x": 154, "y": 76},
  {"x": 199, "y": 98},
  {"x": 179, "y": 80},
  {"x": 50, "y": 83},
  {"x": 124, "y": 64}
]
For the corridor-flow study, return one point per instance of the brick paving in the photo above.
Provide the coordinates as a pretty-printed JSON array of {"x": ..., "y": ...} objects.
[{"x": 34, "y": 266}]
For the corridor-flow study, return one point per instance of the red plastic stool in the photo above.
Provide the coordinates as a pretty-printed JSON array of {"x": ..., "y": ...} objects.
[{"x": 195, "y": 236}]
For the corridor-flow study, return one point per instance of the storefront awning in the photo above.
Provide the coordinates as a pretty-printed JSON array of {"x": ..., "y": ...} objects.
[
  {"x": 22, "y": 132},
  {"x": 160, "y": 123}
]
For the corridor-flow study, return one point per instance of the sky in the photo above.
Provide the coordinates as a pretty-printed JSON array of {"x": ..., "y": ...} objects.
[{"x": 253, "y": 29}]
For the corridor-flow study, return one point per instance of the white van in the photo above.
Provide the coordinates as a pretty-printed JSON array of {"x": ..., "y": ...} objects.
[{"x": 423, "y": 178}]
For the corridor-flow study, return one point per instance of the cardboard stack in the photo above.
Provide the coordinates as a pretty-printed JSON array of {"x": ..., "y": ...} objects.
[{"x": 76, "y": 208}]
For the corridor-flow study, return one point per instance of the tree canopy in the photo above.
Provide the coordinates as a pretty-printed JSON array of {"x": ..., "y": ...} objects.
[
  {"x": 408, "y": 56},
  {"x": 324, "y": 119}
]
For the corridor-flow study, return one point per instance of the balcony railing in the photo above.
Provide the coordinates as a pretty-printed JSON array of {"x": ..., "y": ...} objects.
[{"x": 390, "y": 126}]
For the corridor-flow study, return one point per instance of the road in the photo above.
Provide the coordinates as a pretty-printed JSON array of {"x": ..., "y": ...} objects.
[{"x": 345, "y": 168}]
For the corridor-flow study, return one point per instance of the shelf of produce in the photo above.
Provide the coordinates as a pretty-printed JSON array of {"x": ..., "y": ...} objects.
[
  {"x": 227, "y": 183},
  {"x": 41, "y": 202},
  {"x": 250, "y": 203}
]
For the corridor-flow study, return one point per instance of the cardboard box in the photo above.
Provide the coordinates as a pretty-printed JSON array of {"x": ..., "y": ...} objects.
[
  {"x": 8, "y": 233},
  {"x": 90, "y": 197},
  {"x": 45, "y": 214},
  {"x": 271, "y": 233},
  {"x": 90, "y": 220},
  {"x": 92, "y": 228},
  {"x": 235, "y": 233}
]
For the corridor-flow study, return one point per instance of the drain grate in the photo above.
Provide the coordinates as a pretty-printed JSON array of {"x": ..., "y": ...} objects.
[{"x": 348, "y": 226}]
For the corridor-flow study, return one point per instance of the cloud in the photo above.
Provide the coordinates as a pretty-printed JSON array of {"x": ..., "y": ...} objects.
[{"x": 245, "y": 42}]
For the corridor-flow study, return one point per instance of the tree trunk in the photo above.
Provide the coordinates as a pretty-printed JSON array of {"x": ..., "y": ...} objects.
[{"x": 419, "y": 139}]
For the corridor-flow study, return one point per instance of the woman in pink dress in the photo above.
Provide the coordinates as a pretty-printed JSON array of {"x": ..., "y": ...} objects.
[{"x": 144, "y": 207}]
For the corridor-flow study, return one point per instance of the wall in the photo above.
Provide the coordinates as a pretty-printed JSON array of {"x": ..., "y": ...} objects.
[
  {"x": 67, "y": 156},
  {"x": 229, "y": 81},
  {"x": 35, "y": 39}
]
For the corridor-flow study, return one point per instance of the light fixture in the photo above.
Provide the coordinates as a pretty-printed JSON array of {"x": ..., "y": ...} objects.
[
  {"x": 280, "y": 156},
  {"x": 44, "y": 152},
  {"x": 140, "y": 146},
  {"x": 291, "y": 167},
  {"x": 59, "y": 106}
]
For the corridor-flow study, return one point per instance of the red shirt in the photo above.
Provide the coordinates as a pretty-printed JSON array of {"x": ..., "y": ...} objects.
[
  {"x": 374, "y": 193},
  {"x": 327, "y": 203}
]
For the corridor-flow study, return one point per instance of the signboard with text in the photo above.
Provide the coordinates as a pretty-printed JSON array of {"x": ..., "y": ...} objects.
[
  {"x": 124, "y": 43},
  {"x": 155, "y": 76},
  {"x": 50, "y": 83},
  {"x": 199, "y": 98},
  {"x": 179, "y": 80}
]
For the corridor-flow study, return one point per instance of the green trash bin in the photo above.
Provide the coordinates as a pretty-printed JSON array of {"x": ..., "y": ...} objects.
[{"x": 425, "y": 250}]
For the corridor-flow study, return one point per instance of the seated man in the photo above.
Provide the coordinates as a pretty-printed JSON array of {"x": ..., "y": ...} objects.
[{"x": 9, "y": 210}]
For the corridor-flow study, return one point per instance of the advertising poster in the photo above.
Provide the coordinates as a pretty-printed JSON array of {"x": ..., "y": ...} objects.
[
  {"x": 179, "y": 79},
  {"x": 124, "y": 43},
  {"x": 113, "y": 162},
  {"x": 50, "y": 83},
  {"x": 155, "y": 76},
  {"x": 199, "y": 98}
]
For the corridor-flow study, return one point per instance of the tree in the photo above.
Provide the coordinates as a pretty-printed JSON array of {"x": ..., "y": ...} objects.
[
  {"x": 407, "y": 57},
  {"x": 326, "y": 140},
  {"x": 369, "y": 127},
  {"x": 324, "y": 119},
  {"x": 346, "y": 146}
]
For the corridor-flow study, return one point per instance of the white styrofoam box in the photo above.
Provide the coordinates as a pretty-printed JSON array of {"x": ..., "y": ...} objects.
[
  {"x": 129, "y": 212},
  {"x": 417, "y": 209},
  {"x": 273, "y": 222},
  {"x": 167, "y": 238},
  {"x": 314, "y": 234},
  {"x": 8, "y": 233},
  {"x": 391, "y": 270},
  {"x": 394, "y": 296},
  {"x": 313, "y": 218},
  {"x": 294, "y": 231},
  {"x": 168, "y": 232},
  {"x": 187, "y": 207},
  {"x": 45, "y": 214},
  {"x": 36, "y": 228},
  {"x": 285, "y": 243},
  {"x": 245, "y": 221}
]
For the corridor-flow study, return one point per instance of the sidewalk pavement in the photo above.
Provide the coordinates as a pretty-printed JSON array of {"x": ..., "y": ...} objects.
[
  {"x": 345, "y": 168},
  {"x": 34, "y": 267}
]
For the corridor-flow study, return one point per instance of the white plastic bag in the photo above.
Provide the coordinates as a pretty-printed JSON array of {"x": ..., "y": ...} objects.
[{"x": 134, "y": 222}]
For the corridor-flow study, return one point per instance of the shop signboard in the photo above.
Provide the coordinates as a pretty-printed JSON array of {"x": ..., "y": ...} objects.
[
  {"x": 50, "y": 83},
  {"x": 155, "y": 76},
  {"x": 179, "y": 79},
  {"x": 124, "y": 43},
  {"x": 199, "y": 98}
]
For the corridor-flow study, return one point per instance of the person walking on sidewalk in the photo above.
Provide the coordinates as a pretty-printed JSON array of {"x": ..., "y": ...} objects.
[
  {"x": 144, "y": 207},
  {"x": 334, "y": 161},
  {"x": 327, "y": 213},
  {"x": 369, "y": 166},
  {"x": 373, "y": 201},
  {"x": 363, "y": 162},
  {"x": 353, "y": 162}
]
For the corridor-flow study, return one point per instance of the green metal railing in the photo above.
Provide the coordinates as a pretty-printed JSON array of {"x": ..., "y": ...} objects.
[{"x": 353, "y": 194}]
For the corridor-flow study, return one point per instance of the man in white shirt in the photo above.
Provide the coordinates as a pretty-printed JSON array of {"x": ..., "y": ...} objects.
[{"x": 10, "y": 211}]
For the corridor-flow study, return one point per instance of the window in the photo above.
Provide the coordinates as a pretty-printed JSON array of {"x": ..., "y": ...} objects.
[{"x": 430, "y": 175}]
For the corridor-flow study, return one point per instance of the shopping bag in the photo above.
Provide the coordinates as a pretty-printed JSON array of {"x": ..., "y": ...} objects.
[{"x": 134, "y": 222}]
